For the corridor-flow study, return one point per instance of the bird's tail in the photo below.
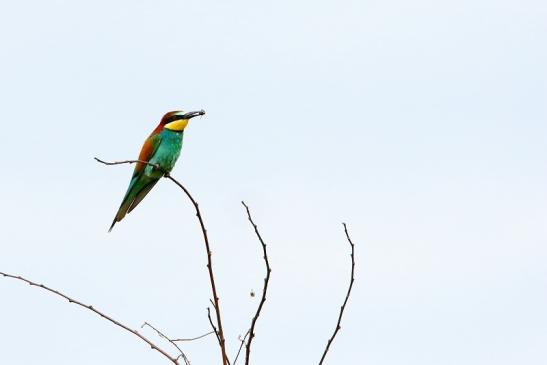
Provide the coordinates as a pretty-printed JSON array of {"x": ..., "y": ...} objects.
[
  {"x": 122, "y": 211},
  {"x": 138, "y": 188}
]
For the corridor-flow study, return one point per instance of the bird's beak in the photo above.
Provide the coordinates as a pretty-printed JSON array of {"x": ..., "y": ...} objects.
[{"x": 190, "y": 115}]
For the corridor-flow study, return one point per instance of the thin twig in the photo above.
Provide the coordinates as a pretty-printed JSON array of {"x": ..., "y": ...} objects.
[
  {"x": 241, "y": 346},
  {"x": 347, "y": 295},
  {"x": 264, "y": 289},
  {"x": 212, "y": 324},
  {"x": 220, "y": 332},
  {"x": 96, "y": 311},
  {"x": 193, "y": 338},
  {"x": 172, "y": 342}
]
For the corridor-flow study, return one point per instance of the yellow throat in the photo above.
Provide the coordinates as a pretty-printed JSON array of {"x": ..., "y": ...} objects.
[{"x": 177, "y": 125}]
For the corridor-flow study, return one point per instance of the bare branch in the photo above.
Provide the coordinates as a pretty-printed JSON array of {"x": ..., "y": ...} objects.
[
  {"x": 96, "y": 311},
  {"x": 172, "y": 342},
  {"x": 352, "y": 279},
  {"x": 264, "y": 290},
  {"x": 220, "y": 332}
]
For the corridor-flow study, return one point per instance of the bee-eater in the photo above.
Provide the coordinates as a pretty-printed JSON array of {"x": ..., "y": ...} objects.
[{"x": 162, "y": 149}]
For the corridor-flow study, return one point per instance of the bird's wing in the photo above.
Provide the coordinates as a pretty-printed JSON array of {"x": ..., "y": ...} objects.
[
  {"x": 140, "y": 185},
  {"x": 148, "y": 150},
  {"x": 141, "y": 194}
]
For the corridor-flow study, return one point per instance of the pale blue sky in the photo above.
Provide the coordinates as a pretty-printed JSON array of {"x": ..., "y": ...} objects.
[{"x": 422, "y": 124}]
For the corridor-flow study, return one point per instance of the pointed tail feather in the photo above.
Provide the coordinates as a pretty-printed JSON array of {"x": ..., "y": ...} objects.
[
  {"x": 112, "y": 226},
  {"x": 122, "y": 211}
]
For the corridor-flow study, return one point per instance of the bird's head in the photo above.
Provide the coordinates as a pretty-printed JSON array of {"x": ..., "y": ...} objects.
[{"x": 178, "y": 120}]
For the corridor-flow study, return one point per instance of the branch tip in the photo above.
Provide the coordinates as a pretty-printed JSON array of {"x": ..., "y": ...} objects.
[{"x": 251, "y": 331}]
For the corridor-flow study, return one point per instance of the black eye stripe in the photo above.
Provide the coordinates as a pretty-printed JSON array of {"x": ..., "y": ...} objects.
[{"x": 173, "y": 118}]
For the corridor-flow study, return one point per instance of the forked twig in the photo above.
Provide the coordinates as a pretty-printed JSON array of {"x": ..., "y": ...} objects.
[
  {"x": 220, "y": 332},
  {"x": 264, "y": 289},
  {"x": 172, "y": 342},
  {"x": 352, "y": 279},
  {"x": 241, "y": 346},
  {"x": 96, "y": 311},
  {"x": 215, "y": 331}
]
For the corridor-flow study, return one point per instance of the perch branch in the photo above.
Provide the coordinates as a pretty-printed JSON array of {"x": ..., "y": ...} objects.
[
  {"x": 96, "y": 311},
  {"x": 127, "y": 162},
  {"x": 220, "y": 332},
  {"x": 352, "y": 279},
  {"x": 264, "y": 289}
]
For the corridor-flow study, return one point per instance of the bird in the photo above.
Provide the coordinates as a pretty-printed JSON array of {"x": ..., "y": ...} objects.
[{"x": 160, "y": 151}]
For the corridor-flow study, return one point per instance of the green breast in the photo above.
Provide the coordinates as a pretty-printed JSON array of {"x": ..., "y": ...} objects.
[{"x": 168, "y": 151}]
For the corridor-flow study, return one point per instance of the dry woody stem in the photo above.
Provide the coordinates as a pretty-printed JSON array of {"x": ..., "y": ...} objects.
[{"x": 352, "y": 279}]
